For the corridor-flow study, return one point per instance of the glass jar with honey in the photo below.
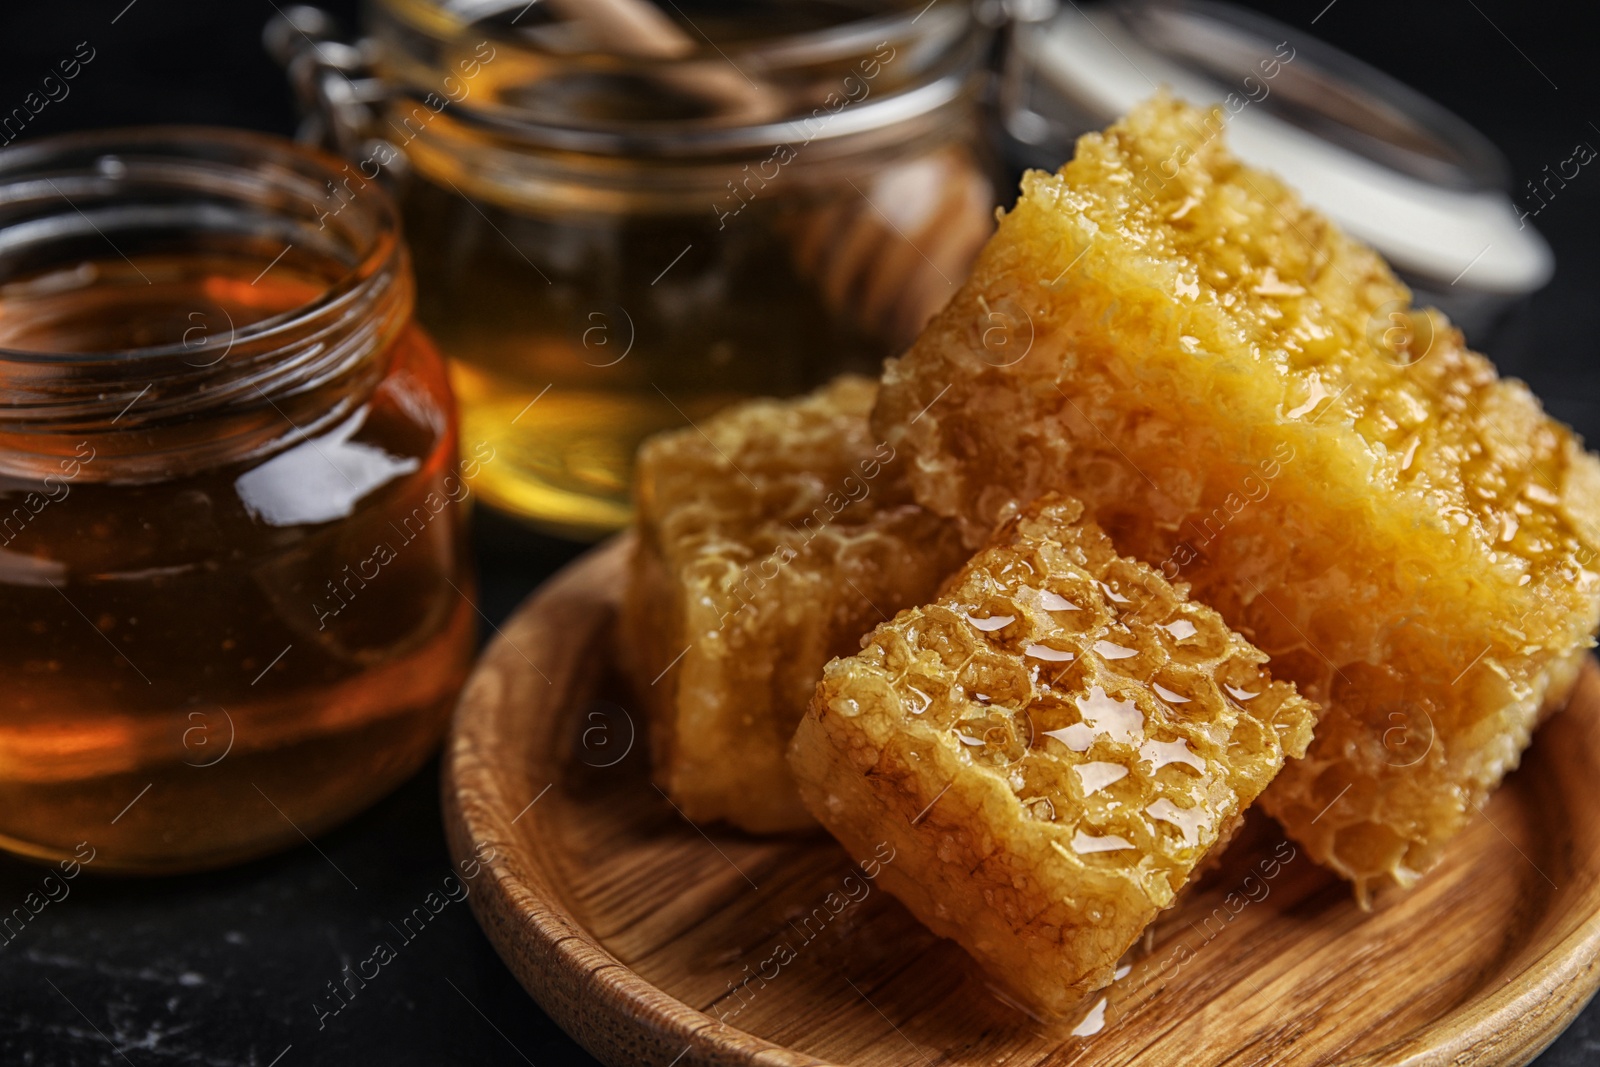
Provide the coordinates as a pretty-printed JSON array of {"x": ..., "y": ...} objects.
[
  {"x": 232, "y": 563},
  {"x": 626, "y": 214}
]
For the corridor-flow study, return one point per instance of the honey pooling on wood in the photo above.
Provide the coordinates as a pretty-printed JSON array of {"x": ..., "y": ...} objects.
[
  {"x": 1051, "y": 747},
  {"x": 1246, "y": 399},
  {"x": 771, "y": 538}
]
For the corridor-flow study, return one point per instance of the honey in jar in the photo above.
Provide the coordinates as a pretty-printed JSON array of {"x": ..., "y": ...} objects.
[
  {"x": 232, "y": 560},
  {"x": 619, "y": 235}
]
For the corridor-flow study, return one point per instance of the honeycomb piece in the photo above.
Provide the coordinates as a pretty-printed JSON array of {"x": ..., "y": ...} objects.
[
  {"x": 1246, "y": 399},
  {"x": 767, "y": 544},
  {"x": 1049, "y": 748}
]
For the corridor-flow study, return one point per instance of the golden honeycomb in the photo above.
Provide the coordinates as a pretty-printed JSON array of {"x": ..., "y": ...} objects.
[
  {"x": 1246, "y": 399},
  {"x": 1049, "y": 748},
  {"x": 770, "y": 539}
]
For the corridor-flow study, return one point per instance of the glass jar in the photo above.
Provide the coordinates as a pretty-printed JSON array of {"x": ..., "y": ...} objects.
[
  {"x": 618, "y": 231},
  {"x": 232, "y": 549}
]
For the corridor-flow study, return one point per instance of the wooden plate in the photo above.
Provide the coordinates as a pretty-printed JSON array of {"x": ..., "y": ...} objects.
[{"x": 653, "y": 941}]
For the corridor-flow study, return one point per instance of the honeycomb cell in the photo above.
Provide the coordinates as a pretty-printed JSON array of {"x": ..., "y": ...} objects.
[
  {"x": 1043, "y": 808},
  {"x": 1246, "y": 400},
  {"x": 770, "y": 539}
]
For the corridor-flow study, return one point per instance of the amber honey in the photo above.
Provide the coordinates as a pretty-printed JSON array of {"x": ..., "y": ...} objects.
[
  {"x": 609, "y": 245},
  {"x": 567, "y": 379},
  {"x": 234, "y": 573}
]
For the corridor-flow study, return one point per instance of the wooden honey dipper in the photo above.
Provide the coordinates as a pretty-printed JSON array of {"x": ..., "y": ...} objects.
[{"x": 889, "y": 261}]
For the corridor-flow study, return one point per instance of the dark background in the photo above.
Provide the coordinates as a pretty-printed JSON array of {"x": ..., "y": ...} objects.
[{"x": 222, "y": 969}]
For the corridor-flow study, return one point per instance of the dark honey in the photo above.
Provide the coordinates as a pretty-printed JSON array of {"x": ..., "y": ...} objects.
[{"x": 235, "y": 607}]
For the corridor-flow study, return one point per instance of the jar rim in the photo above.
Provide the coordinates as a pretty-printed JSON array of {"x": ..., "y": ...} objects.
[{"x": 294, "y": 164}]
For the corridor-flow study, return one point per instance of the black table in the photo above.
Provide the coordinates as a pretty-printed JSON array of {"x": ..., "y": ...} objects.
[{"x": 226, "y": 969}]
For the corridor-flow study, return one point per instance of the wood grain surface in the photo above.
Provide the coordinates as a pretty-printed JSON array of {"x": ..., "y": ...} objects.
[{"x": 657, "y": 942}]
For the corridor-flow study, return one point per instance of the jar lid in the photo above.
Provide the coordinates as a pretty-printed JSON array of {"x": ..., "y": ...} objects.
[{"x": 1387, "y": 164}]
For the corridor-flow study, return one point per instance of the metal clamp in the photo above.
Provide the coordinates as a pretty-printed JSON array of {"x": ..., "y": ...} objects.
[{"x": 336, "y": 91}]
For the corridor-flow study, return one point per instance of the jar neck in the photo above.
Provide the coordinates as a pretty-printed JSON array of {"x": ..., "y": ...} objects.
[
  {"x": 498, "y": 91},
  {"x": 462, "y": 157},
  {"x": 270, "y": 300},
  {"x": 554, "y": 78}
]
